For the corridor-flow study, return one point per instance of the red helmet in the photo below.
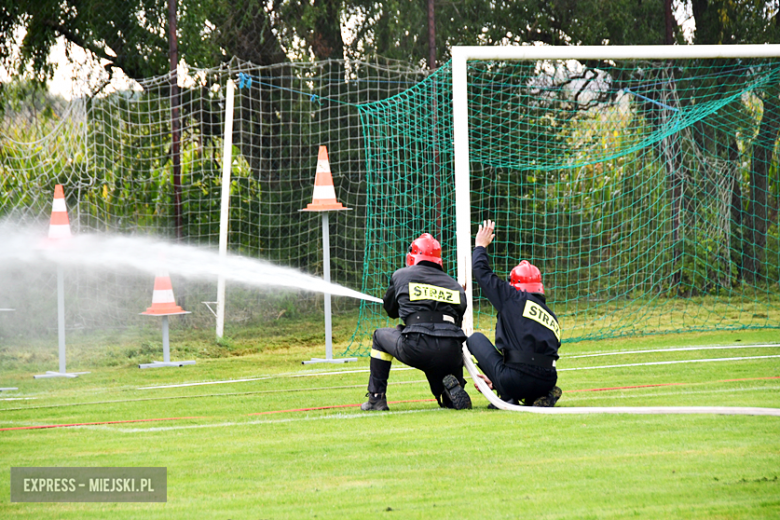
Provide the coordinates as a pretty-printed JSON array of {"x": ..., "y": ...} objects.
[
  {"x": 526, "y": 277},
  {"x": 425, "y": 247}
]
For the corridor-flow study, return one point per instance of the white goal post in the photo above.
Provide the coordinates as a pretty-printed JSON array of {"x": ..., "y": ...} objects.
[{"x": 460, "y": 58}]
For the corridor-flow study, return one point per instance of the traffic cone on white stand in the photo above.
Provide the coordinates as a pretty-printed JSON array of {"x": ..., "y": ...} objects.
[
  {"x": 164, "y": 305},
  {"x": 59, "y": 229},
  {"x": 163, "y": 302},
  {"x": 324, "y": 197},
  {"x": 323, "y": 201}
]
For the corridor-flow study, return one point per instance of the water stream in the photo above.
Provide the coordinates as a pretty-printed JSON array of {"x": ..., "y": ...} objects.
[{"x": 28, "y": 247}]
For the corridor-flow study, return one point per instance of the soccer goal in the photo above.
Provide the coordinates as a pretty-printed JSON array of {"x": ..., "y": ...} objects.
[{"x": 642, "y": 181}]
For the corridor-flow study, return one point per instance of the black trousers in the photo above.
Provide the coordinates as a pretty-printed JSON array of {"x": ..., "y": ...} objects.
[
  {"x": 526, "y": 383},
  {"x": 434, "y": 355}
]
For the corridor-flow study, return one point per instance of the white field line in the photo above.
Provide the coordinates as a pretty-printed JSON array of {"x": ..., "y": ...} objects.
[
  {"x": 312, "y": 372},
  {"x": 410, "y": 368},
  {"x": 203, "y": 396},
  {"x": 366, "y": 370},
  {"x": 674, "y": 349},
  {"x": 684, "y": 361},
  {"x": 228, "y": 381},
  {"x": 585, "y": 396},
  {"x": 262, "y": 421}
]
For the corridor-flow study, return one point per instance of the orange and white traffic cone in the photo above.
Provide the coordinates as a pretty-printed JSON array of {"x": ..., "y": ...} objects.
[
  {"x": 59, "y": 225},
  {"x": 324, "y": 198},
  {"x": 164, "y": 305},
  {"x": 163, "y": 302}
]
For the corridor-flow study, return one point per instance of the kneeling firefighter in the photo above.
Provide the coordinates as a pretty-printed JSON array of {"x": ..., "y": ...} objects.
[
  {"x": 521, "y": 366},
  {"x": 431, "y": 304}
]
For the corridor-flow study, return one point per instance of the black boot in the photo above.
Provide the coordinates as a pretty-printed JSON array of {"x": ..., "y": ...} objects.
[
  {"x": 457, "y": 396},
  {"x": 550, "y": 399},
  {"x": 376, "y": 402}
]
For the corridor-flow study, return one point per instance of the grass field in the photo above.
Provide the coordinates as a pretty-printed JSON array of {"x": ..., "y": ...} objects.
[{"x": 246, "y": 448}]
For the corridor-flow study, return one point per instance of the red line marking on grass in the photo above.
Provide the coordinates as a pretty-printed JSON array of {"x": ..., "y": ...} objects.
[
  {"x": 748, "y": 379},
  {"x": 43, "y": 426},
  {"x": 622, "y": 387},
  {"x": 336, "y": 406}
]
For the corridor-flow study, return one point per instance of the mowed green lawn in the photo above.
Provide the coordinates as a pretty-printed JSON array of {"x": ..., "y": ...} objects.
[{"x": 246, "y": 449}]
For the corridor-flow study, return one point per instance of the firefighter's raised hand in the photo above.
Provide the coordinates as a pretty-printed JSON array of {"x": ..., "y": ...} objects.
[{"x": 485, "y": 234}]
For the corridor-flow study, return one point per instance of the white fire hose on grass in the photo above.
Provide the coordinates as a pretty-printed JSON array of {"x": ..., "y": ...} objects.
[{"x": 637, "y": 410}]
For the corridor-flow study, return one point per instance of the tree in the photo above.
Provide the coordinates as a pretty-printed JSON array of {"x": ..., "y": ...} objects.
[
  {"x": 126, "y": 35},
  {"x": 131, "y": 35}
]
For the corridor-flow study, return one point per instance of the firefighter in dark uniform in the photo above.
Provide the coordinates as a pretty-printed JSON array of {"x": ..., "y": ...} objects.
[
  {"x": 521, "y": 366},
  {"x": 431, "y": 304}
]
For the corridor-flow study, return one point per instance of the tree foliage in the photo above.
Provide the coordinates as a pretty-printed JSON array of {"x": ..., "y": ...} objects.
[{"x": 132, "y": 35}]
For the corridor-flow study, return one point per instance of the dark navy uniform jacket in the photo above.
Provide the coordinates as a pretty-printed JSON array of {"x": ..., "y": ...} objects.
[
  {"x": 524, "y": 321},
  {"x": 426, "y": 287}
]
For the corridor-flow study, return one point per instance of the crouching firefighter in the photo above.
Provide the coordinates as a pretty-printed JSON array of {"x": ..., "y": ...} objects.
[
  {"x": 431, "y": 304},
  {"x": 521, "y": 366}
]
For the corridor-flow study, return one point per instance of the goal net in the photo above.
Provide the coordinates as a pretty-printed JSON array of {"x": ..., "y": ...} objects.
[{"x": 645, "y": 189}]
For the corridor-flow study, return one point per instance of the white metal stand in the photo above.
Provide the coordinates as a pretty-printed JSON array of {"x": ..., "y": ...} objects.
[
  {"x": 208, "y": 306},
  {"x": 10, "y": 388},
  {"x": 328, "y": 324},
  {"x": 224, "y": 218},
  {"x": 61, "y": 331},
  {"x": 166, "y": 362}
]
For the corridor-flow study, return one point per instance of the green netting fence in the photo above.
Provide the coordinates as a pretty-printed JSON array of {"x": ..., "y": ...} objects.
[{"x": 646, "y": 192}]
